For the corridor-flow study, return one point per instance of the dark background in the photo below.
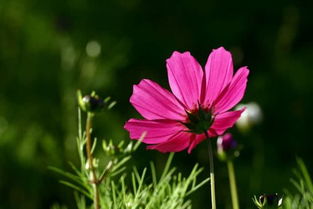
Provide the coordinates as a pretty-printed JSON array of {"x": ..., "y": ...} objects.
[{"x": 43, "y": 61}]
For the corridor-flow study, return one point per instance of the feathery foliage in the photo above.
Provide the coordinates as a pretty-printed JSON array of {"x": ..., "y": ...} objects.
[
  {"x": 303, "y": 197},
  {"x": 119, "y": 189}
]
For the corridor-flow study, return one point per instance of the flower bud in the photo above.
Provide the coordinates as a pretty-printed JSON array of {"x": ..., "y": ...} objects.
[
  {"x": 250, "y": 117},
  {"x": 227, "y": 147},
  {"x": 90, "y": 103},
  {"x": 268, "y": 201}
]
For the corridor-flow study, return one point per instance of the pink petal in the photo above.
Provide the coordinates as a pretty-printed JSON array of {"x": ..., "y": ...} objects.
[
  {"x": 233, "y": 93},
  {"x": 225, "y": 120},
  {"x": 218, "y": 74},
  {"x": 176, "y": 143},
  {"x": 196, "y": 139},
  {"x": 154, "y": 102},
  {"x": 157, "y": 131},
  {"x": 185, "y": 78}
]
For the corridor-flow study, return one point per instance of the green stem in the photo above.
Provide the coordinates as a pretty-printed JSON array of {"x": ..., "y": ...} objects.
[
  {"x": 93, "y": 180},
  {"x": 232, "y": 183},
  {"x": 212, "y": 177}
]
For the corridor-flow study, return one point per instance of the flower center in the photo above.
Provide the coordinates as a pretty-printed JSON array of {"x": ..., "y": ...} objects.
[{"x": 199, "y": 121}]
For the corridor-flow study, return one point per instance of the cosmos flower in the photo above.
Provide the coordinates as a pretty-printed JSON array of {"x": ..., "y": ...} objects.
[{"x": 198, "y": 106}]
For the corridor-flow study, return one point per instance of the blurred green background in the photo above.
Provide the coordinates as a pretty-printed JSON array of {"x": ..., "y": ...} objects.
[{"x": 49, "y": 49}]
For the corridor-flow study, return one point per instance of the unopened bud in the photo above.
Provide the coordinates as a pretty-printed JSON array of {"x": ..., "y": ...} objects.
[
  {"x": 250, "y": 117},
  {"x": 268, "y": 201},
  {"x": 90, "y": 103},
  {"x": 227, "y": 147}
]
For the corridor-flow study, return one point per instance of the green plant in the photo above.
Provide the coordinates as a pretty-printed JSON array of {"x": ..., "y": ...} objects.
[
  {"x": 118, "y": 189},
  {"x": 302, "y": 198}
]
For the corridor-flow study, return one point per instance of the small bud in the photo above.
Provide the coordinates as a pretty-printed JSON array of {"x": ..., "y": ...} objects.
[
  {"x": 226, "y": 142},
  {"x": 268, "y": 201},
  {"x": 90, "y": 103},
  {"x": 95, "y": 163},
  {"x": 250, "y": 117},
  {"x": 227, "y": 147}
]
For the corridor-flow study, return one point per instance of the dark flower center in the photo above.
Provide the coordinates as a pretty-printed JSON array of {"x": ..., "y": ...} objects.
[{"x": 199, "y": 121}]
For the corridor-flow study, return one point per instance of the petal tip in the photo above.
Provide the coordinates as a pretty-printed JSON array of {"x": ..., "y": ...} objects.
[
  {"x": 221, "y": 49},
  {"x": 245, "y": 69},
  {"x": 242, "y": 110},
  {"x": 126, "y": 125},
  {"x": 177, "y": 54}
]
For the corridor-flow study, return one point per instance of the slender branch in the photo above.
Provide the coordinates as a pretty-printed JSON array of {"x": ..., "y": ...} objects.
[
  {"x": 232, "y": 183},
  {"x": 212, "y": 177},
  {"x": 94, "y": 180}
]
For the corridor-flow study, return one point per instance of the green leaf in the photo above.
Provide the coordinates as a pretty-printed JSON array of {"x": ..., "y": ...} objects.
[{"x": 77, "y": 188}]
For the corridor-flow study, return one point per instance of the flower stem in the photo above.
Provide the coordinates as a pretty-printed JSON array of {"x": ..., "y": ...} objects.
[
  {"x": 93, "y": 177},
  {"x": 212, "y": 177},
  {"x": 232, "y": 183}
]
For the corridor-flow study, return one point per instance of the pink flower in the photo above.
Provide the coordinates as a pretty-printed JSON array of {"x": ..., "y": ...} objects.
[{"x": 199, "y": 102}]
